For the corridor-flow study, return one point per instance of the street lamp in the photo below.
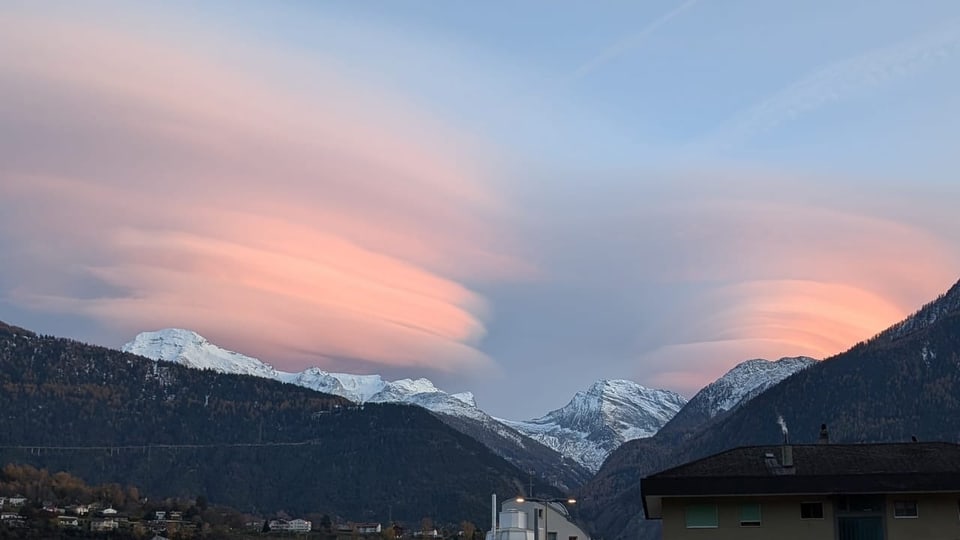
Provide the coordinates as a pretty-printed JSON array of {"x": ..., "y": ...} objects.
[{"x": 546, "y": 510}]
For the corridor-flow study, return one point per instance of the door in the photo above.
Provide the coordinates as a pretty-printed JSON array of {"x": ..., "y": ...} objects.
[{"x": 860, "y": 528}]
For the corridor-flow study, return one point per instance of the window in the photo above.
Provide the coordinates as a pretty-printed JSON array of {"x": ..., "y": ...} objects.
[
  {"x": 750, "y": 515},
  {"x": 701, "y": 516},
  {"x": 811, "y": 510},
  {"x": 905, "y": 509},
  {"x": 571, "y": 538}
]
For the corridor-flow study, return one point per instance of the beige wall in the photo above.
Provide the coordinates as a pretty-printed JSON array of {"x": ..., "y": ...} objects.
[
  {"x": 780, "y": 516},
  {"x": 938, "y": 518}
]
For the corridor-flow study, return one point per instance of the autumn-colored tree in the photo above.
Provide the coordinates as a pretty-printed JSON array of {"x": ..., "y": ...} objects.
[{"x": 468, "y": 529}]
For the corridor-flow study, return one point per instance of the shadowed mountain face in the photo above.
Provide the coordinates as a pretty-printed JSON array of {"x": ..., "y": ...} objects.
[
  {"x": 247, "y": 442},
  {"x": 904, "y": 382}
]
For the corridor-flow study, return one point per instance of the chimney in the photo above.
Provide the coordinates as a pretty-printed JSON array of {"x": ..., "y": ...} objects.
[
  {"x": 493, "y": 516},
  {"x": 787, "y": 453},
  {"x": 824, "y": 435}
]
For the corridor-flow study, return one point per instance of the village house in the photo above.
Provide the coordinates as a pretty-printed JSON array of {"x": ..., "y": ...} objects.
[
  {"x": 899, "y": 491},
  {"x": 53, "y": 509},
  {"x": 68, "y": 521},
  {"x": 368, "y": 528},
  {"x": 17, "y": 500},
  {"x": 104, "y": 524},
  {"x": 78, "y": 509},
  {"x": 292, "y": 525}
]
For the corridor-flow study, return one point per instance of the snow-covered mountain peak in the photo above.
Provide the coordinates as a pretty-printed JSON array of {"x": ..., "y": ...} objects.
[
  {"x": 745, "y": 381},
  {"x": 466, "y": 397},
  {"x": 601, "y": 418},
  {"x": 193, "y": 350}
]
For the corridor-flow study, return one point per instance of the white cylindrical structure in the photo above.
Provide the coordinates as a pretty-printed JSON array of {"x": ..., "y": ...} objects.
[
  {"x": 493, "y": 514},
  {"x": 513, "y": 519}
]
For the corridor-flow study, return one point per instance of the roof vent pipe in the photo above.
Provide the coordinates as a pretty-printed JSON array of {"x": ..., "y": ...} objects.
[
  {"x": 787, "y": 453},
  {"x": 824, "y": 435}
]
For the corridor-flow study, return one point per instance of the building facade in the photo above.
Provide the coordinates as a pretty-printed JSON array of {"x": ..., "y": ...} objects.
[
  {"x": 546, "y": 520},
  {"x": 907, "y": 491}
]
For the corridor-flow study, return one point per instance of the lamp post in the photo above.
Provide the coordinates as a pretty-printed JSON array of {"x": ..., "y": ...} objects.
[{"x": 546, "y": 509}]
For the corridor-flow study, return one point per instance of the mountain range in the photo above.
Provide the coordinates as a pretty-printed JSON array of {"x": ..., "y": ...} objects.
[
  {"x": 902, "y": 383},
  {"x": 251, "y": 443},
  {"x": 566, "y": 445}
]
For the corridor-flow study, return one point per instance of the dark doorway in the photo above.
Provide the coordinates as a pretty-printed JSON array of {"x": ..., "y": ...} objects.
[{"x": 860, "y": 528}]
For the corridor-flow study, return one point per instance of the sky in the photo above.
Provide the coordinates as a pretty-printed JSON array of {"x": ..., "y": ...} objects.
[{"x": 513, "y": 199}]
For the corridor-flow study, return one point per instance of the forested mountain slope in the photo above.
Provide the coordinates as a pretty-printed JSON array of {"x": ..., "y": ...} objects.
[{"x": 257, "y": 444}]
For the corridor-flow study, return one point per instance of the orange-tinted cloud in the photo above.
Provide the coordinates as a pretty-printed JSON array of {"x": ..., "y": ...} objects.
[
  {"x": 785, "y": 269},
  {"x": 147, "y": 185}
]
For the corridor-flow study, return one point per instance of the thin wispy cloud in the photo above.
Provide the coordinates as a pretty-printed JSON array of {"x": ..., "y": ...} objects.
[
  {"x": 844, "y": 80},
  {"x": 630, "y": 42}
]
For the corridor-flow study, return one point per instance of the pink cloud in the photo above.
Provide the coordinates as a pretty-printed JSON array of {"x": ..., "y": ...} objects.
[
  {"x": 785, "y": 268},
  {"x": 298, "y": 227}
]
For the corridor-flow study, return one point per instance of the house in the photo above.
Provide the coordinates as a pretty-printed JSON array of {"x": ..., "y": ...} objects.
[
  {"x": 530, "y": 519},
  {"x": 68, "y": 521},
  {"x": 104, "y": 524},
  {"x": 175, "y": 515},
  {"x": 299, "y": 525},
  {"x": 109, "y": 511},
  {"x": 293, "y": 525},
  {"x": 78, "y": 509},
  {"x": 839, "y": 491},
  {"x": 7, "y": 516},
  {"x": 368, "y": 528},
  {"x": 53, "y": 509},
  {"x": 17, "y": 500}
]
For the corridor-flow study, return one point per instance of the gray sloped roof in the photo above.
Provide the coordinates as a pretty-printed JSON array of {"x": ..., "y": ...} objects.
[{"x": 817, "y": 469}]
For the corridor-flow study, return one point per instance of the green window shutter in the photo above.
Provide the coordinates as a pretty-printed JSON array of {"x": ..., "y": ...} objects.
[
  {"x": 750, "y": 514},
  {"x": 701, "y": 516}
]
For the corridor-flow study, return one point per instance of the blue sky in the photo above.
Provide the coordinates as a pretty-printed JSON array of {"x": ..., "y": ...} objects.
[{"x": 486, "y": 194}]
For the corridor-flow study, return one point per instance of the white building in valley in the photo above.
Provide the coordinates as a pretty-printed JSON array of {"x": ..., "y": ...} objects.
[
  {"x": 524, "y": 519},
  {"x": 293, "y": 525}
]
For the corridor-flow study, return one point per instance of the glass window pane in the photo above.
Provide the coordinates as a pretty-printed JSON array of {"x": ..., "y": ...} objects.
[
  {"x": 903, "y": 509},
  {"x": 750, "y": 514},
  {"x": 701, "y": 516},
  {"x": 811, "y": 510}
]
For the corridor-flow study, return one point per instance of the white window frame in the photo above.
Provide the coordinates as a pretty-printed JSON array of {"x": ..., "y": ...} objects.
[{"x": 916, "y": 509}]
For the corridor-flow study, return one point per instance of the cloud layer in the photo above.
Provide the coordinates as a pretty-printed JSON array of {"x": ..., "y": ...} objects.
[
  {"x": 686, "y": 275},
  {"x": 149, "y": 186}
]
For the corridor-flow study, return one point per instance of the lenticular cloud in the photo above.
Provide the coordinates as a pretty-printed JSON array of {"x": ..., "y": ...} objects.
[{"x": 150, "y": 188}]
